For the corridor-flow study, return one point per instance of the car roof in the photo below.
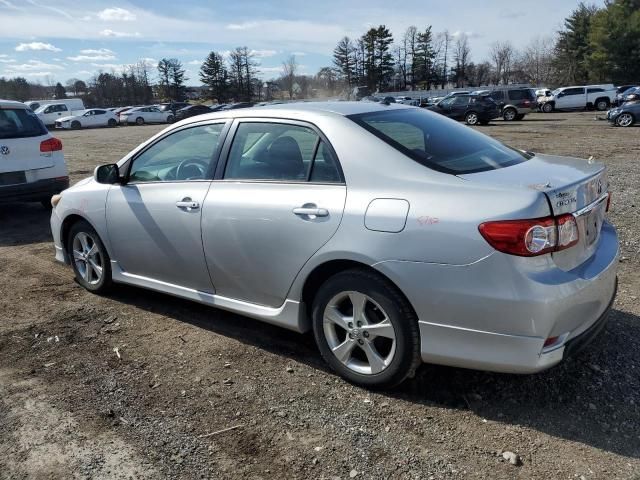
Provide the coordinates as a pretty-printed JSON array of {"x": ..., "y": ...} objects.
[{"x": 11, "y": 104}]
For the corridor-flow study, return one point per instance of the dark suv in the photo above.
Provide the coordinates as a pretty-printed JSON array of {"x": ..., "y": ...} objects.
[
  {"x": 514, "y": 103},
  {"x": 473, "y": 109}
]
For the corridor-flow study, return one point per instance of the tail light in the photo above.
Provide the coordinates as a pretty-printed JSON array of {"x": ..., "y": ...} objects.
[
  {"x": 529, "y": 238},
  {"x": 51, "y": 145}
]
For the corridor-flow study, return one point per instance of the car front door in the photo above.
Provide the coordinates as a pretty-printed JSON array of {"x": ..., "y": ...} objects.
[
  {"x": 153, "y": 219},
  {"x": 444, "y": 106},
  {"x": 459, "y": 106},
  {"x": 278, "y": 199}
]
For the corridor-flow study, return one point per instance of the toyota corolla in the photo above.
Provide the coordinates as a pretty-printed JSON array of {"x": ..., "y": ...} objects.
[{"x": 395, "y": 234}]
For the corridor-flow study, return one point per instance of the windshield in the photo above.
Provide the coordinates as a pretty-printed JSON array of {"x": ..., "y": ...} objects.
[
  {"x": 20, "y": 123},
  {"x": 438, "y": 142}
]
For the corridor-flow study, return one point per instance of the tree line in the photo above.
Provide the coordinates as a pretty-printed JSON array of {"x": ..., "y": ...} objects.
[{"x": 595, "y": 45}]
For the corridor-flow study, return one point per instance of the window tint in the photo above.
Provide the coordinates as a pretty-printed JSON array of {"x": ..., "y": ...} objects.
[
  {"x": 427, "y": 138},
  {"x": 184, "y": 155},
  {"x": 271, "y": 151},
  {"x": 461, "y": 100},
  {"x": 20, "y": 123},
  {"x": 595, "y": 90},
  {"x": 325, "y": 166},
  {"x": 447, "y": 102},
  {"x": 574, "y": 91},
  {"x": 519, "y": 94},
  {"x": 497, "y": 95}
]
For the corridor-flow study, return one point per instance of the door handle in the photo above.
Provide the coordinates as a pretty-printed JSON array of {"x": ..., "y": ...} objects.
[
  {"x": 188, "y": 204},
  {"x": 311, "y": 211}
]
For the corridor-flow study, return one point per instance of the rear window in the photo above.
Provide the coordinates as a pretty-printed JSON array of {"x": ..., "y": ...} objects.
[
  {"x": 438, "y": 142},
  {"x": 20, "y": 123}
]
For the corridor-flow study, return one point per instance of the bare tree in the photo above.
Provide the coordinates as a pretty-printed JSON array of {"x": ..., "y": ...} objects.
[
  {"x": 289, "y": 70},
  {"x": 535, "y": 63},
  {"x": 410, "y": 42},
  {"x": 502, "y": 54},
  {"x": 462, "y": 57},
  {"x": 445, "y": 39}
]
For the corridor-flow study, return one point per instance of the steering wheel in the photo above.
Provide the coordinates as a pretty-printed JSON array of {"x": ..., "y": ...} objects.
[{"x": 192, "y": 168}]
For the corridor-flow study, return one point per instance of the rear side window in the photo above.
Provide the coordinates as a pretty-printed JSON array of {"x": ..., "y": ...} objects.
[
  {"x": 438, "y": 142},
  {"x": 497, "y": 95},
  {"x": 520, "y": 94},
  {"x": 595, "y": 90},
  {"x": 20, "y": 123}
]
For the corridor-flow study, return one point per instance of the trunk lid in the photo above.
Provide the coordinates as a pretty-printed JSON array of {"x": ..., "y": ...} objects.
[{"x": 571, "y": 185}]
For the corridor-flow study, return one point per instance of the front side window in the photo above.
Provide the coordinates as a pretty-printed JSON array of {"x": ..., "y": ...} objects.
[
  {"x": 438, "y": 143},
  {"x": 271, "y": 151},
  {"x": 184, "y": 155}
]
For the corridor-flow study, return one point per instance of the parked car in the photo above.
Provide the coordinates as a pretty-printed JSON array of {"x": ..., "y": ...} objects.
[
  {"x": 473, "y": 109},
  {"x": 599, "y": 97},
  {"x": 450, "y": 247},
  {"x": 191, "y": 111},
  {"x": 94, "y": 117},
  {"x": 142, "y": 115},
  {"x": 630, "y": 95},
  {"x": 543, "y": 92},
  {"x": 514, "y": 102},
  {"x": 219, "y": 106},
  {"x": 235, "y": 106},
  {"x": 71, "y": 103},
  {"x": 621, "y": 91},
  {"x": 626, "y": 115},
  {"x": 50, "y": 112},
  {"x": 405, "y": 100},
  {"x": 32, "y": 164},
  {"x": 172, "y": 107}
]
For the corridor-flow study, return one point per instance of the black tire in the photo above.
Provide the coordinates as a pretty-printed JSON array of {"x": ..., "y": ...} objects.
[
  {"x": 139, "y": 121},
  {"x": 112, "y": 122},
  {"x": 76, "y": 125},
  {"x": 520, "y": 116},
  {"x": 171, "y": 119},
  {"x": 510, "y": 114},
  {"x": 602, "y": 104},
  {"x": 406, "y": 357},
  {"x": 547, "y": 107},
  {"x": 471, "y": 118},
  {"x": 625, "y": 119},
  {"x": 105, "y": 282}
]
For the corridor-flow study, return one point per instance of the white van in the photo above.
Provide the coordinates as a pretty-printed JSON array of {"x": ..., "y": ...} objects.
[
  {"x": 53, "y": 110},
  {"x": 32, "y": 165},
  {"x": 73, "y": 103}
]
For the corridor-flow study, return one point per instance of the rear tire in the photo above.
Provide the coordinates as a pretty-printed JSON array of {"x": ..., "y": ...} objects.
[
  {"x": 89, "y": 259},
  {"x": 602, "y": 104},
  {"x": 112, "y": 122},
  {"x": 382, "y": 348},
  {"x": 510, "y": 114},
  {"x": 139, "y": 121},
  {"x": 471, "y": 118},
  {"x": 171, "y": 119},
  {"x": 547, "y": 108}
]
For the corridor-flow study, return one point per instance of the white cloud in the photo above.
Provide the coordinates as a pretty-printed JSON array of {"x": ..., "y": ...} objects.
[
  {"x": 115, "y": 34},
  {"x": 459, "y": 33},
  {"x": 38, "y": 46},
  {"x": 90, "y": 55},
  {"x": 270, "y": 69},
  {"x": 195, "y": 62},
  {"x": 298, "y": 54},
  {"x": 116, "y": 14},
  {"x": 242, "y": 26},
  {"x": 263, "y": 53}
]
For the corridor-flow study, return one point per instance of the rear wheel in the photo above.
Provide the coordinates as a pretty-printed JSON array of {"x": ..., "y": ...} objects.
[
  {"x": 547, "y": 108},
  {"x": 89, "y": 258},
  {"x": 602, "y": 104},
  {"x": 139, "y": 121},
  {"x": 509, "y": 114},
  {"x": 625, "y": 120},
  {"x": 171, "y": 119},
  {"x": 112, "y": 122},
  {"x": 76, "y": 125},
  {"x": 471, "y": 118},
  {"x": 365, "y": 329}
]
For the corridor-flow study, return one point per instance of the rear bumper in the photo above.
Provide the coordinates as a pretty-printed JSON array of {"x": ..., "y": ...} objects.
[
  {"x": 495, "y": 314},
  {"x": 33, "y": 191}
]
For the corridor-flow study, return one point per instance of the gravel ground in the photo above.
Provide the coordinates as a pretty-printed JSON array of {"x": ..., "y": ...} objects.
[{"x": 139, "y": 385}]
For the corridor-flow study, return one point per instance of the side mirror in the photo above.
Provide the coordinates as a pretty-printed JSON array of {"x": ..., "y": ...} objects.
[{"x": 107, "y": 174}]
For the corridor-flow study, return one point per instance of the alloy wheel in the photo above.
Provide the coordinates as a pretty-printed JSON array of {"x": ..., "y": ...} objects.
[
  {"x": 359, "y": 333},
  {"x": 87, "y": 258},
  {"x": 510, "y": 115},
  {"x": 625, "y": 120},
  {"x": 472, "y": 118}
]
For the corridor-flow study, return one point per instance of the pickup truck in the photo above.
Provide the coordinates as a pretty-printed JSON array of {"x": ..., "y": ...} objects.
[{"x": 600, "y": 97}]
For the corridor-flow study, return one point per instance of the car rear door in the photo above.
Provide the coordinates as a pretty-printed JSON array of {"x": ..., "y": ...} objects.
[
  {"x": 278, "y": 198},
  {"x": 153, "y": 219},
  {"x": 459, "y": 106}
]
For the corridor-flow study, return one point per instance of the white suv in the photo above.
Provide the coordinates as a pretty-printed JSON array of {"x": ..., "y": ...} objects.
[{"x": 32, "y": 165}]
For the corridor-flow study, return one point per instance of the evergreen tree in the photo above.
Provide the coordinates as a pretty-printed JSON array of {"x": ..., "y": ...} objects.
[
  {"x": 345, "y": 61},
  {"x": 214, "y": 74},
  {"x": 572, "y": 48},
  {"x": 59, "y": 93}
]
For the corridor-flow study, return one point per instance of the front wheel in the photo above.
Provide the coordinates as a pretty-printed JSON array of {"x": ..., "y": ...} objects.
[
  {"x": 171, "y": 119},
  {"x": 510, "y": 114},
  {"x": 625, "y": 120},
  {"x": 471, "y": 118},
  {"x": 112, "y": 122},
  {"x": 547, "y": 108},
  {"x": 365, "y": 329},
  {"x": 89, "y": 259},
  {"x": 76, "y": 125}
]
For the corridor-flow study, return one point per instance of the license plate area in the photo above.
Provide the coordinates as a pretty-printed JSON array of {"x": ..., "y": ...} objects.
[
  {"x": 592, "y": 223},
  {"x": 12, "y": 178}
]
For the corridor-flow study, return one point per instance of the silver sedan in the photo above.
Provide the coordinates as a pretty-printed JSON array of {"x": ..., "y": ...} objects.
[{"x": 395, "y": 234}]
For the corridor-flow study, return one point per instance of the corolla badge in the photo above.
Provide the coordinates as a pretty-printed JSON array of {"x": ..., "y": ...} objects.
[{"x": 4, "y": 150}]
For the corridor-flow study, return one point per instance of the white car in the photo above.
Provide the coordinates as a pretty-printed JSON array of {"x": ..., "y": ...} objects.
[
  {"x": 94, "y": 117},
  {"x": 600, "y": 97},
  {"x": 32, "y": 165},
  {"x": 142, "y": 115}
]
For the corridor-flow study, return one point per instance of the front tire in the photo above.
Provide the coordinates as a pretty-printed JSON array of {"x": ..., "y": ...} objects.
[
  {"x": 76, "y": 125},
  {"x": 112, "y": 123},
  {"x": 171, "y": 119},
  {"x": 471, "y": 118},
  {"x": 365, "y": 329},
  {"x": 547, "y": 108},
  {"x": 625, "y": 120},
  {"x": 89, "y": 259},
  {"x": 510, "y": 114}
]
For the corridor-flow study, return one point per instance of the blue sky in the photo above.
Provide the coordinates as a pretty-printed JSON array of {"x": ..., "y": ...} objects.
[{"x": 64, "y": 39}]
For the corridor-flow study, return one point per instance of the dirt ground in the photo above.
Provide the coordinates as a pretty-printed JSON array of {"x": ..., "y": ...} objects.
[{"x": 133, "y": 385}]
